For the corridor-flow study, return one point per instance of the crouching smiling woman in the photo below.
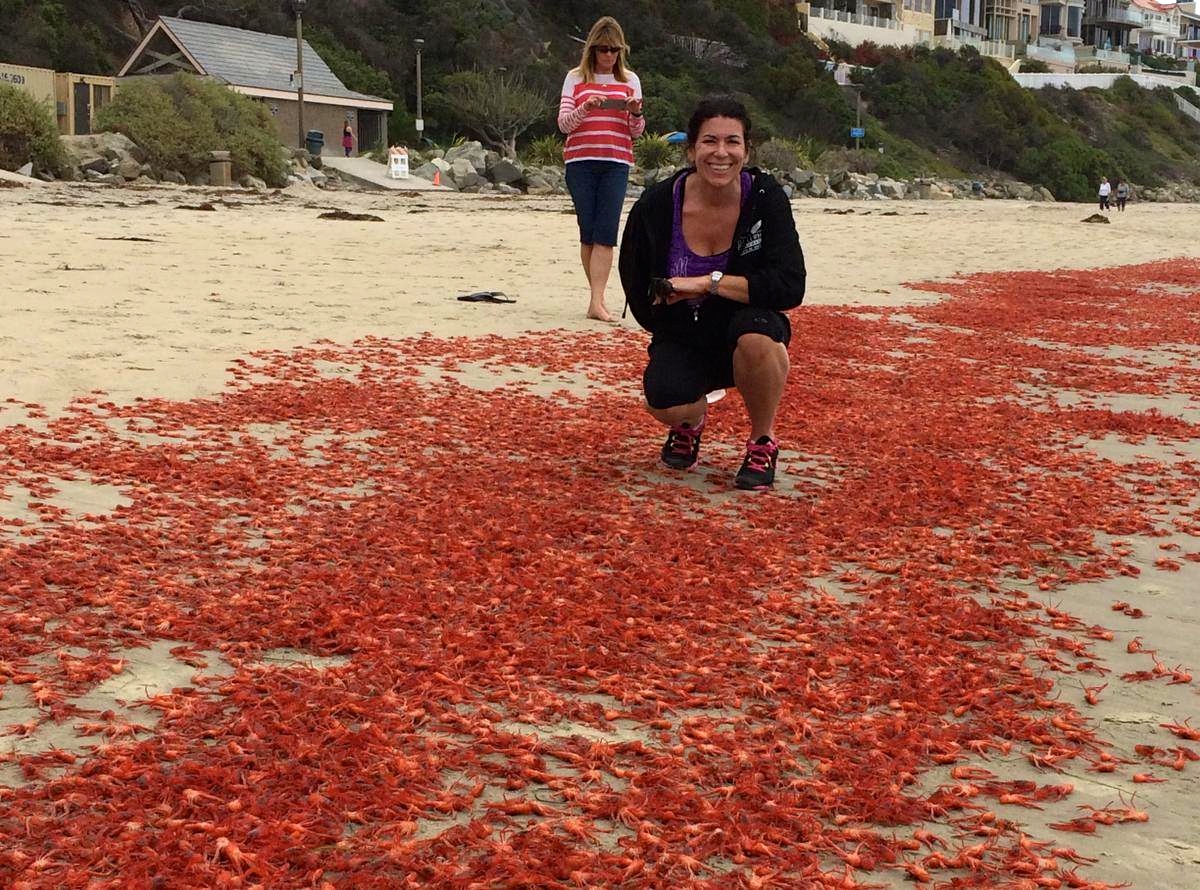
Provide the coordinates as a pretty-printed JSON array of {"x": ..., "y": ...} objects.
[{"x": 710, "y": 261}]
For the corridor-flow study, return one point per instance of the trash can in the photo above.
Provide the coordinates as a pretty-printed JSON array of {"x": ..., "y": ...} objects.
[{"x": 313, "y": 141}]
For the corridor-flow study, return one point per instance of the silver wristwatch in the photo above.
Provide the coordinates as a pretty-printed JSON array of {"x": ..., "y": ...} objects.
[{"x": 714, "y": 279}]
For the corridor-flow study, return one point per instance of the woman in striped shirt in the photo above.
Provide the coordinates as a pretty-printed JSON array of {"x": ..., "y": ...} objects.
[{"x": 601, "y": 114}]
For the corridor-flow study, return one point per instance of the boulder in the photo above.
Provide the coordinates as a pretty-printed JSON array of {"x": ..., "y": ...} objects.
[
  {"x": 95, "y": 165},
  {"x": 503, "y": 188},
  {"x": 103, "y": 178},
  {"x": 1041, "y": 193},
  {"x": 129, "y": 169},
  {"x": 173, "y": 176},
  {"x": 471, "y": 152},
  {"x": 464, "y": 174},
  {"x": 113, "y": 146},
  {"x": 1019, "y": 190},
  {"x": 538, "y": 184},
  {"x": 931, "y": 190},
  {"x": 890, "y": 188},
  {"x": 819, "y": 186},
  {"x": 802, "y": 179},
  {"x": 437, "y": 165},
  {"x": 506, "y": 172},
  {"x": 252, "y": 182}
]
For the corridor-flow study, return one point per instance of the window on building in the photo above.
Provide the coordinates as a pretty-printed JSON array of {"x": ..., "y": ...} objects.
[
  {"x": 1023, "y": 26},
  {"x": 944, "y": 9},
  {"x": 1074, "y": 21},
  {"x": 1050, "y": 21}
]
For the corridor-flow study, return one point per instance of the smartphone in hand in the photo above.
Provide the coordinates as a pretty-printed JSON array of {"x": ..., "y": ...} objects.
[{"x": 613, "y": 104}]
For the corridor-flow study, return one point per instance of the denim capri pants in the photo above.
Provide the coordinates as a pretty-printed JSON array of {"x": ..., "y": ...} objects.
[{"x": 598, "y": 190}]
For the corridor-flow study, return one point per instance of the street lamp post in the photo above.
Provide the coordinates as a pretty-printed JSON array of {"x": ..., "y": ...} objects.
[
  {"x": 420, "y": 122},
  {"x": 298, "y": 7}
]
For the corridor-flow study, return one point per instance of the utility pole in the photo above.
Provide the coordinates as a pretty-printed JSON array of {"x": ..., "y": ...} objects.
[
  {"x": 420, "y": 122},
  {"x": 298, "y": 7},
  {"x": 858, "y": 117}
]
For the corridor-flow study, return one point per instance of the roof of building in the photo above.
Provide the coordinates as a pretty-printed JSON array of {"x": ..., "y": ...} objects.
[
  {"x": 250, "y": 58},
  {"x": 1155, "y": 6}
]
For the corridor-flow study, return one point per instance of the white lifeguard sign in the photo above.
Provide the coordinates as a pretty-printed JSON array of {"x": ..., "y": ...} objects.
[{"x": 398, "y": 162}]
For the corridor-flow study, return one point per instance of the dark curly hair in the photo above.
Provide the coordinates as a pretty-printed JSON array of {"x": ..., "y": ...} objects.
[{"x": 717, "y": 106}]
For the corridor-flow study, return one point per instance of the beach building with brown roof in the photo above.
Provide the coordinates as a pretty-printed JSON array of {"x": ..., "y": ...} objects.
[{"x": 263, "y": 66}]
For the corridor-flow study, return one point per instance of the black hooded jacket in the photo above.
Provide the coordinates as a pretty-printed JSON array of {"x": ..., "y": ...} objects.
[{"x": 766, "y": 251}]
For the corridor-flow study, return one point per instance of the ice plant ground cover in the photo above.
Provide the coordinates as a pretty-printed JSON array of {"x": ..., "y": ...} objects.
[{"x": 520, "y": 654}]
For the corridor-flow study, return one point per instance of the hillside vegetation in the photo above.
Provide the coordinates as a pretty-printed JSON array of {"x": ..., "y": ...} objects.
[
  {"x": 932, "y": 112},
  {"x": 969, "y": 111}
]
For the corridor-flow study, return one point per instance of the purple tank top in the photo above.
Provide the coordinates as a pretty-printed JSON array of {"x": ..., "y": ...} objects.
[{"x": 682, "y": 261}]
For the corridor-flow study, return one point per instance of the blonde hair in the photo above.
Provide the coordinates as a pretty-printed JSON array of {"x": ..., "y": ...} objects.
[{"x": 608, "y": 32}]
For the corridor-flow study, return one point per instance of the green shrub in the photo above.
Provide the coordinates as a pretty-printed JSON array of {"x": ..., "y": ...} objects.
[
  {"x": 652, "y": 152},
  {"x": 781, "y": 154},
  {"x": 1189, "y": 94},
  {"x": 545, "y": 151},
  {"x": 28, "y": 132},
  {"x": 178, "y": 120},
  {"x": 1034, "y": 66},
  {"x": 853, "y": 160},
  {"x": 1097, "y": 68},
  {"x": 1066, "y": 166}
]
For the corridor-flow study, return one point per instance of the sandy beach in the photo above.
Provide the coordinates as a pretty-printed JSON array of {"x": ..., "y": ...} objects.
[
  {"x": 135, "y": 297},
  {"x": 164, "y": 317}
]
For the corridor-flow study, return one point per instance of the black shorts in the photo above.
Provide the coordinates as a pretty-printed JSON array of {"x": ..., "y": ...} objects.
[{"x": 681, "y": 371}]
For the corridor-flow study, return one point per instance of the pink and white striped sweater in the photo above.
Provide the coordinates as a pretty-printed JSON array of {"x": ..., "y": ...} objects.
[{"x": 601, "y": 134}]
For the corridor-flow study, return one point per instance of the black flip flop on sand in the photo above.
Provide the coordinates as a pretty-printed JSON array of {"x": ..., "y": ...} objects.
[{"x": 487, "y": 296}]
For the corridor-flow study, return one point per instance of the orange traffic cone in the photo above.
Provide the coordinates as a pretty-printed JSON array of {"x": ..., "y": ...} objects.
[{"x": 437, "y": 177}]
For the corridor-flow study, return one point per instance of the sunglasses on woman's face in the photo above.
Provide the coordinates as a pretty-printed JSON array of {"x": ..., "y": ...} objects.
[{"x": 601, "y": 48}]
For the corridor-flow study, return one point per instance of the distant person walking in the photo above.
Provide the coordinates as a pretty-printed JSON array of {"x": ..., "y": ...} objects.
[
  {"x": 347, "y": 139},
  {"x": 600, "y": 111},
  {"x": 1122, "y": 194},
  {"x": 1105, "y": 191}
]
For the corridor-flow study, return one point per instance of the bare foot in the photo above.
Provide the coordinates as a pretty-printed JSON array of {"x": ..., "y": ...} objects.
[{"x": 599, "y": 313}]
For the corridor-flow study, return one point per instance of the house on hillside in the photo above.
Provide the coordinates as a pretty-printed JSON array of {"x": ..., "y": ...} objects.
[
  {"x": 1160, "y": 27},
  {"x": 1187, "y": 43},
  {"x": 263, "y": 66},
  {"x": 882, "y": 22}
]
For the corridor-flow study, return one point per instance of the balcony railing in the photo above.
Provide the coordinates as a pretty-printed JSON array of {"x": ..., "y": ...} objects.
[
  {"x": 1112, "y": 14},
  {"x": 995, "y": 48},
  {"x": 1094, "y": 54},
  {"x": 1156, "y": 26},
  {"x": 839, "y": 15},
  {"x": 1056, "y": 54}
]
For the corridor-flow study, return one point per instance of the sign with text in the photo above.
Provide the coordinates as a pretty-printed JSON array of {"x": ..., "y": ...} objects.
[
  {"x": 857, "y": 132},
  {"x": 38, "y": 81}
]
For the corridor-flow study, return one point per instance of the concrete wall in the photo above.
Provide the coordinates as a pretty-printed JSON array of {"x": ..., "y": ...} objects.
[
  {"x": 38, "y": 82},
  {"x": 1101, "y": 81}
]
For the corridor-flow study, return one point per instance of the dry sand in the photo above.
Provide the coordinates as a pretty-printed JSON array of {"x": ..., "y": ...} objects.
[
  {"x": 84, "y": 307},
  {"x": 165, "y": 317}
]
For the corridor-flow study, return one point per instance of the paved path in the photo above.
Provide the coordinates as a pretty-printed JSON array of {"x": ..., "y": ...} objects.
[{"x": 373, "y": 174}]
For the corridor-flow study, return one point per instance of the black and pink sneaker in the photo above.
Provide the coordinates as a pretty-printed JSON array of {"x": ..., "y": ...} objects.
[
  {"x": 683, "y": 445},
  {"x": 758, "y": 468}
]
